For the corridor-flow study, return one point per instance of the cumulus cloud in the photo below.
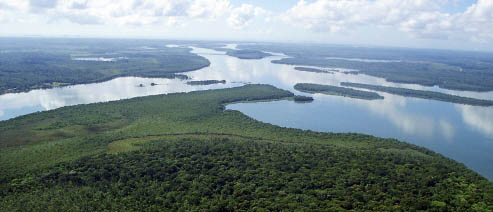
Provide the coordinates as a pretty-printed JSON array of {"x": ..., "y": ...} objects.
[
  {"x": 42, "y": 4},
  {"x": 422, "y": 18},
  {"x": 208, "y": 8},
  {"x": 335, "y": 15},
  {"x": 123, "y": 12},
  {"x": 242, "y": 16}
]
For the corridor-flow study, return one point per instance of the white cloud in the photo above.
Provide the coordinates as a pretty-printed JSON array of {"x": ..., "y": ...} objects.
[
  {"x": 122, "y": 12},
  {"x": 15, "y": 4},
  {"x": 137, "y": 12},
  {"x": 208, "y": 8},
  {"x": 422, "y": 18},
  {"x": 42, "y": 4},
  {"x": 241, "y": 17},
  {"x": 335, "y": 15}
]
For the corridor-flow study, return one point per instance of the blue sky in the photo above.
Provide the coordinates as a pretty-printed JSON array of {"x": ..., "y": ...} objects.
[{"x": 448, "y": 24}]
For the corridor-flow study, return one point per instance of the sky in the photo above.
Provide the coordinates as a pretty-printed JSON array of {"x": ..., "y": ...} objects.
[{"x": 441, "y": 24}]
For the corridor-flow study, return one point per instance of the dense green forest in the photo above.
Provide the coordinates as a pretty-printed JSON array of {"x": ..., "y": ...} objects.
[
  {"x": 468, "y": 60},
  {"x": 336, "y": 90},
  {"x": 244, "y": 53},
  {"x": 238, "y": 53},
  {"x": 184, "y": 152},
  {"x": 303, "y": 98},
  {"x": 422, "y": 94},
  {"x": 428, "y": 74},
  {"x": 457, "y": 70},
  {"x": 315, "y": 70},
  {"x": 48, "y": 63},
  {"x": 206, "y": 82}
]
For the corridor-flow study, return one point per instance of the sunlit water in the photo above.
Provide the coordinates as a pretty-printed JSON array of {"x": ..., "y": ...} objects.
[{"x": 464, "y": 133}]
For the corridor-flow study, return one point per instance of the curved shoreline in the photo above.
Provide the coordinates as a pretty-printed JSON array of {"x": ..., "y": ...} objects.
[
  {"x": 198, "y": 118},
  {"x": 165, "y": 75}
]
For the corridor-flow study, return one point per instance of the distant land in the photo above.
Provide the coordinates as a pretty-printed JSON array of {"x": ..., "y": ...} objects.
[
  {"x": 456, "y": 70},
  {"x": 337, "y": 91},
  {"x": 88, "y": 61},
  {"x": 315, "y": 70},
  {"x": 303, "y": 99},
  {"x": 247, "y": 54},
  {"x": 422, "y": 94},
  {"x": 206, "y": 82}
]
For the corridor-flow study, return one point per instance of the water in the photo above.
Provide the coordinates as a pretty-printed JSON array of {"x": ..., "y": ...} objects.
[
  {"x": 463, "y": 133},
  {"x": 99, "y": 59},
  {"x": 363, "y": 60}
]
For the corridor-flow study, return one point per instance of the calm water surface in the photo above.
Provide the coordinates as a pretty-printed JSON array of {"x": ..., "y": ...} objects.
[{"x": 464, "y": 133}]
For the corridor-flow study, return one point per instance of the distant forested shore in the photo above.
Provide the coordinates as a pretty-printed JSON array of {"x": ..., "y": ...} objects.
[
  {"x": 337, "y": 91},
  {"x": 422, "y": 94}
]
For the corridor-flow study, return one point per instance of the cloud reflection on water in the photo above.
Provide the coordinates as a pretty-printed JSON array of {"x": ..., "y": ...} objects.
[
  {"x": 479, "y": 118},
  {"x": 423, "y": 122},
  {"x": 393, "y": 108}
]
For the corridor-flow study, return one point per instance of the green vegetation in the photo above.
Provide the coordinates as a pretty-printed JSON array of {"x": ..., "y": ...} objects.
[
  {"x": 244, "y": 53},
  {"x": 337, "y": 91},
  {"x": 184, "y": 152},
  {"x": 206, "y": 82},
  {"x": 50, "y": 63},
  {"x": 303, "y": 99},
  {"x": 428, "y": 74},
  {"x": 457, "y": 70},
  {"x": 422, "y": 94},
  {"x": 315, "y": 70}
]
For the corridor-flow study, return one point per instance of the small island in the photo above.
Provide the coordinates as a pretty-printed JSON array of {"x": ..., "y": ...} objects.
[
  {"x": 303, "y": 99},
  {"x": 337, "y": 91},
  {"x": 206, "y": 82},
  {"x": 422, "y": 94},
  {"x": 314, "y": 70},
  {"x": 351, "y": 72},
  {"x": 245, "y": 53}
]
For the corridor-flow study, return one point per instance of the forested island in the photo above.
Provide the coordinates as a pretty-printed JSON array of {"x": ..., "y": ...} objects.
[
  {"x": 62, "y": 62},
  {"x": 315, "y": 70},
  {"x": 244, "y": 53},
  {"x": 206, "y": 82},
  {"x": 336, "y": 90},
  {"x": 183, "y": 151},
  {"x": 303, "y": 99},
  {"x": 457, "y": 70},
  {"x": 422, "y": 94}
]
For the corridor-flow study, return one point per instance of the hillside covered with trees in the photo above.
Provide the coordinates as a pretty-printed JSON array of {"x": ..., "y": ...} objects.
[{"x": 184, "y": 152}]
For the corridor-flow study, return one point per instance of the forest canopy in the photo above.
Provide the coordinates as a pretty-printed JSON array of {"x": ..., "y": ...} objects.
[
  {"x": 184, "y": 151},
  {"x": 23, "y": 68},
  {"x": 337, "y": 91}
]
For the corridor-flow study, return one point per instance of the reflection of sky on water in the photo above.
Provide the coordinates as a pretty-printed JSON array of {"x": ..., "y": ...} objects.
[
  {"x": 12, "y": 105},
  {"x": 464, "y": 133},
  {"x": 392, "y": 107},
  {"x": 479, "y": 118}
]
